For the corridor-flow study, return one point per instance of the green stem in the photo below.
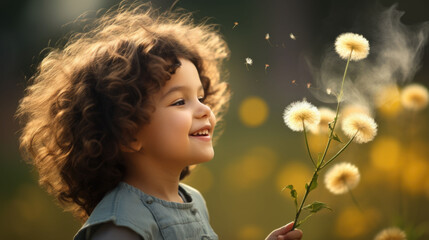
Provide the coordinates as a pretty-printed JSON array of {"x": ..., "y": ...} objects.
[
  {"x": 306, "y": 143},
  {"x": 307, "y": 191},
  {"x": 339, "y": 98},
  {"x": 339, "y": 152},
  {"x": 318, "y": 166},
  {"x": 354, "y": 199}
]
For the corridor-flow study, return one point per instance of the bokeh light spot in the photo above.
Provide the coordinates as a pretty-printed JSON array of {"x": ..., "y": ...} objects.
[
  {"x": 253, "y": 111},
  {"x": 414, "y": 173},
  {"x": 249, "y": 232},
  {"x": 385, "y": 154},
  {"x": 388, "y": 101},
  {"x": 294, "y": 173},
  {"x": 252, "y": 168},
  {"x": 352, "y": 222}
]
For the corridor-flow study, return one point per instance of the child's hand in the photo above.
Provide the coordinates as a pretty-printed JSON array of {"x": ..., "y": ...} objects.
[{"x": 285, "y": 233}]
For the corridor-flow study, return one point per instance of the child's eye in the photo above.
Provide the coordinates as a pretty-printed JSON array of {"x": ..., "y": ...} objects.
[
  {"x": 178, "y": 103},
  {"x": 202, "y": 99}
]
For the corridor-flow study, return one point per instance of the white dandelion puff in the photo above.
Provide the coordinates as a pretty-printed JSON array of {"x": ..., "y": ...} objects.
[
  {"x": 327, "y": 115},
  {"x": 341, "y": 178},
  {"x": 298, "y": 112},
  {"x": 353, "y": 43},
  {"x": 355, "y": 108},
  {"x": 360, "y": 124},
  {"x": 415, "y": 97},
  {"x": 391, "y": 234}
]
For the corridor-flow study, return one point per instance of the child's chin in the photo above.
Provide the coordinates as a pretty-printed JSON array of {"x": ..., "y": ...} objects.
[{"x": 204, "y": 159}]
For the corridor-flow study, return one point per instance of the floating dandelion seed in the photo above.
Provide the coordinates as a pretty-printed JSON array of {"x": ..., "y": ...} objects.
[
  {"x": 327, "y": 115},
  {"x": 341, "y": 178},
  {"x": 360, "y": 124},
  {"x": 352, "y": 43},
  {"x": 308, "y": 85},
  {"x": 248, "y": 61},
  {"x": 414, "y": 97},
  {"x": 235, "y": 25},
  {"x": 293, "y": 81},
  {"x": 267, "y": 37},
  {"x": 292, "y": 36},
  {"x": 298, "y": 112},
  {"x": 266, "y": 67},
  {"x": 328, "y": 91},
  {"x": 391, "y": 234}
]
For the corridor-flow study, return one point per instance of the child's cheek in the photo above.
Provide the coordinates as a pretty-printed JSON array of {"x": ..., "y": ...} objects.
[{"x": 176, "y": 132}]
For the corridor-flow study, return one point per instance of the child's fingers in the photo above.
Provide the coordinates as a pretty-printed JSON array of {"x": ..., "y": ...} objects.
[
  {"x": 283, "y": 230},
  {"x": 292, "y": 235}
]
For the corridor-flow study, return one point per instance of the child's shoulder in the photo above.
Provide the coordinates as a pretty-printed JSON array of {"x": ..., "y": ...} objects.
[{"x": 121, "y": 206}]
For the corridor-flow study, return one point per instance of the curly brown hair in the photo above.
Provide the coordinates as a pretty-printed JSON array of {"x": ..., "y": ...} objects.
[{"x": 90, "y": 96}]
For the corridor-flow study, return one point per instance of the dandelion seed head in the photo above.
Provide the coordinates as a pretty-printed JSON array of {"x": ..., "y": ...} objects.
[
  {"x": 355, "y": 108},
  {"x": 298, "y": 112},
  {"x": 341, "y": 178},
  {"x": 415, "y": 97},
  {"x": 347, "y": 42},
  {"x": 327, "y": 115},
  {"x": 249, "y": 61},
  {"x": 360, "y": 124},
  {"x": 391, "y": 234}
]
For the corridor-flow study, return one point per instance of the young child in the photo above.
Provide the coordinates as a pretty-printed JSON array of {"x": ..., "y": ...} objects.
[{"x": 113, "y": 120}]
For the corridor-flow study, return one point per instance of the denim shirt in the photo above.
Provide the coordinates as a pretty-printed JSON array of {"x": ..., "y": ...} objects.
[{"x": 151, "y": 217}]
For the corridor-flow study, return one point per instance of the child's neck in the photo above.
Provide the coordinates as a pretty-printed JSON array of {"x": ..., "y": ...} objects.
[{"x": 156, "y": 181}]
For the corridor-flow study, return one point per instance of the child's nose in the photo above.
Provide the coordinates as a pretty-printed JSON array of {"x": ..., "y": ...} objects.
[{"x": 203, "y": 110}]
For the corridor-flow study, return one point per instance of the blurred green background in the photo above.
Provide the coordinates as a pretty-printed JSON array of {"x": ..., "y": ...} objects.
[{"x": 257, "y": 155}]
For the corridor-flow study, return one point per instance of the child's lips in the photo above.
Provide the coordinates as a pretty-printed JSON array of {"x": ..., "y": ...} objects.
[{"x": 201, "y": 137}]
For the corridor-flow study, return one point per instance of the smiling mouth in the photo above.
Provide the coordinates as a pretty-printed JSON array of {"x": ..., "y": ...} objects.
[
  {"x": 205, "y": 137},
  {"x": 204, "y": 132}
]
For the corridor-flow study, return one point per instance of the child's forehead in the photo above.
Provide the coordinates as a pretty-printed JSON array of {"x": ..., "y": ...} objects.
[
  {"x": 185, "y": 79},
  {"x": 186, "y": 75}
]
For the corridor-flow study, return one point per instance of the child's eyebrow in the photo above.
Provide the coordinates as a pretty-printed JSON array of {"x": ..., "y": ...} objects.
[{"x": 178, "y": 88}]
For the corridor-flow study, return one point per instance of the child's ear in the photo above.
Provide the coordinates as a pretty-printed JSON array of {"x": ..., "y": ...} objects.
[{"x": 134, "y": 146}]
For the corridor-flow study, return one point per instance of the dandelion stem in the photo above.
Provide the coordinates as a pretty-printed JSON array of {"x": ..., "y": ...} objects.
[
  {"x": 354, "y": 199},
  {"x": 320, "y": 163},
  {"x": 344, "y": 77},
  {"x": 337, "y": 111},
  {"x": 306, "y": 143},
  {"x": 339, "y": 152},
  {"x": 307, "y": 191}
]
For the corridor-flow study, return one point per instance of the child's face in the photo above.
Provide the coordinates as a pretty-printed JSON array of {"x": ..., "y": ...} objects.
[{"x": 179, "y": 113}]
